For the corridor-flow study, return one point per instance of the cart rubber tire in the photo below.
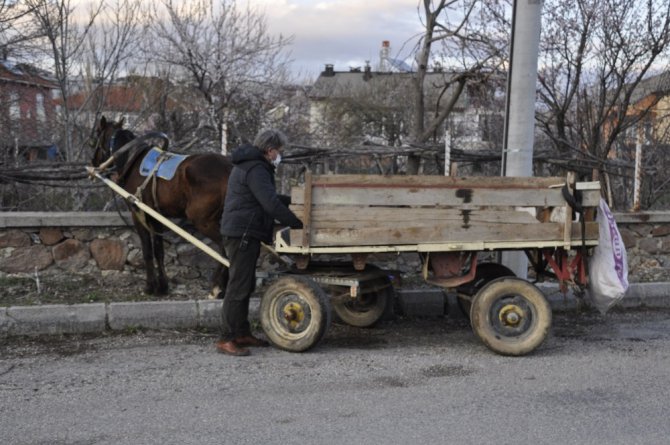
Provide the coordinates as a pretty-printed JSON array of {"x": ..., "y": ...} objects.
[
  {"x": 295, "y": 313},
  {"x": 511, "y": 316},
  {"x": 366, "y": 311},
  {"x": 486, "y": 272}
]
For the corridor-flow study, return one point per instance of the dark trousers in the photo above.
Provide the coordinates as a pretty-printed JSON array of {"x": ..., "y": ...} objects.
[{"x": 241, "y": 284}]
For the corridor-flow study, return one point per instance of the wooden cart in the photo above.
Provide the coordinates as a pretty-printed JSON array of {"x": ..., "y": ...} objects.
[{"x": 447, "y": 221}]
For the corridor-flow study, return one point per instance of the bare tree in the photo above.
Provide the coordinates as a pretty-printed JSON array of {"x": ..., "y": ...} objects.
[
  {"x": 468, "y": 40},
  {"x": 594, "y": 56},
  {"x": 112, "y": 50},
  {"x": 64, "y": 42},
  {"x": 226, "y": 52},
  {"x": 15, "y": 31}
]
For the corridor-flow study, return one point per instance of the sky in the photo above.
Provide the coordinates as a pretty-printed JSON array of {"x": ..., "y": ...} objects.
[{"x": 344, "y": 33}]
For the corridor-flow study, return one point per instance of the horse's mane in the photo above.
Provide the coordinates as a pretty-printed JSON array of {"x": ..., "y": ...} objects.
[{"x": 124, "y": 161}]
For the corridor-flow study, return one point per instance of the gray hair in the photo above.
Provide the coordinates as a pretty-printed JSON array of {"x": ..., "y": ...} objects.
[{"x": 268, "y": 139}]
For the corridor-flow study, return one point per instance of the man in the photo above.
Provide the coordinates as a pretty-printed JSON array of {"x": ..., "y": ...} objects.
[{"x": 250, "y": 209}]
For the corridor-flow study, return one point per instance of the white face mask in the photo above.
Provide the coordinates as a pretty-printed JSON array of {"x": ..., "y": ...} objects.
[{"x": 276, "y": 160}]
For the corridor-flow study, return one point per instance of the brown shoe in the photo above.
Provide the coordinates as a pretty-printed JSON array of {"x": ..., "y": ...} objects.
[
  {"x": 231, "y": 348},
  {"x": 250, "y": 340}
]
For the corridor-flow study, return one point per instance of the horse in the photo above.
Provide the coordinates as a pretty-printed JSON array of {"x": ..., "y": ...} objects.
[{"x": 196, "y": 192}]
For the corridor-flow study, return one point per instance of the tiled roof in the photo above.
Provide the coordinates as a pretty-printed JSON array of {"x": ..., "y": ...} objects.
[
  {"x": 124, "y": 98},
  {"x": 658, "y": 84},
  {"x": 26, "y": 74}
]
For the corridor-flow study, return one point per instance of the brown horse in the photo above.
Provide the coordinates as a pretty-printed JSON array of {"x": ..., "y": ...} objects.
[{"x": 196, "y": 192}]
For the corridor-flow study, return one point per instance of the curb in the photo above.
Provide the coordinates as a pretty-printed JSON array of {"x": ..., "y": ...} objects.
[{"x": 194, "y": 314}]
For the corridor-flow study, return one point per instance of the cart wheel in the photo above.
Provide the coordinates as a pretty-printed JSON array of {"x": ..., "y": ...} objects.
[
  {"x": 486, "y": 272},
  {"x": 369, "y": 308},
  {"x": 295, "y": 313},
  {"x": 511, "y": 316}
]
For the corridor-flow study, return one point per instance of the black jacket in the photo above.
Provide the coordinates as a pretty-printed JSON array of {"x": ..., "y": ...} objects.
[{"x": 252, "y": 203}]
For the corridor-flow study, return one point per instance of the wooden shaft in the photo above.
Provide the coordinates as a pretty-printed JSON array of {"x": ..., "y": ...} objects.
[{"x": 160, "y": 218}]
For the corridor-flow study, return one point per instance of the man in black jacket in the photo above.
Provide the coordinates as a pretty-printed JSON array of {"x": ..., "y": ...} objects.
[{"x": 250, "y": 209}]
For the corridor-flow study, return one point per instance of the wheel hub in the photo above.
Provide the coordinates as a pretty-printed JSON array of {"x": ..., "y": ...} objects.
[
  {"x": 293, "y": 314},
  {"x": 511, "y": 315}
]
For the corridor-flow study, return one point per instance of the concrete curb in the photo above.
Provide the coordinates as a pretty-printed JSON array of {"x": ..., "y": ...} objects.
[{"x": 193, "y": 314}]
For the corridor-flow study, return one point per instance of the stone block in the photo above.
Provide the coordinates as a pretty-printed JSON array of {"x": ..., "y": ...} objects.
[
  {"x": 83, "y": 234},
  {"x": 191, "y": 256},
  {"x": 135, "y": 258},
  {"x": 50, "y": 235},
  {"x": 153, "y": 315},
  {"x": 109, "y": 254},
  {"x": 209, "y": 313},
  {"x": 648, "y": 294},
  {"x": 27, "y": 259},
  {"x": 649, "y": 245},
  {"x": 663, "y": 230},
  {"x": 629, "y": 238},
  {"x": 14, "y": 238},
  {"x": 55, "y": 319},
  {"x": 71, "y": 255}
]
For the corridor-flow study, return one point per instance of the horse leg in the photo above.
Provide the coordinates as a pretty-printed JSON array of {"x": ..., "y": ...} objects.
[
  {"x": 148, "y": 256},
  {"x": 159, "y": 256},
  {"x": 219, "y": 277},
  {"x": 218, "y": 280}
]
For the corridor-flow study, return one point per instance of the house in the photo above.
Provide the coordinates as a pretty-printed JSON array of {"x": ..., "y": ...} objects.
[
  {"x": 136, "y": 99},
  {"x": 28, "y": 113},
  {"x": 650, "y": 99},
  {"x": 378, "y": 106},
  {"x": 146, "y": 104}
]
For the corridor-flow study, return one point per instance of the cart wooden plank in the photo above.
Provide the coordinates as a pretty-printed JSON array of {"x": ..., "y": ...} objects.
[
  {"x": 445, "y": 234},
  {"x": 366, "y": 216},
  {"x": 360, "y": 194}
]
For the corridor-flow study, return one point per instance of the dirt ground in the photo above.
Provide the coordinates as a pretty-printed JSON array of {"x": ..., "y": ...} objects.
[
  {"x": 70, "y": 288},
  {"x": 63, "y": 288}
]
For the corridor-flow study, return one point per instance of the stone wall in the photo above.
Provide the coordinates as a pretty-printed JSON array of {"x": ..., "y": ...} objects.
[
  {"x": 87, "y": 247},
  {"x": 646, "y": 236},
  {"x": 95, "y": 243}
]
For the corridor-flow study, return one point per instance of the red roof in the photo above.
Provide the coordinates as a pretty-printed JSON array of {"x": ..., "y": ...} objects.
[
  {"x": 115, "y": 98},
  {"x": 25, "y": 74}
]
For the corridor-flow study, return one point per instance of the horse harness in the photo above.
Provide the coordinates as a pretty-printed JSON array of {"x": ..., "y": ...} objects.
[{"x": 151, "y": 175}]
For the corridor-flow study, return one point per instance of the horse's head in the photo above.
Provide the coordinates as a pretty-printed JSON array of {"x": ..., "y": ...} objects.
[{"x": 107, "y": 138}]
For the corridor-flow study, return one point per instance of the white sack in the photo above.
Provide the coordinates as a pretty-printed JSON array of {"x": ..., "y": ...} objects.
[{"x": 608, "y": 267}]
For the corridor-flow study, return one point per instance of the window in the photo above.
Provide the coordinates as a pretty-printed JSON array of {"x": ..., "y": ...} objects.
[
  {"x": 39, "y": 107},
  {"x": 14, "y": 106}
]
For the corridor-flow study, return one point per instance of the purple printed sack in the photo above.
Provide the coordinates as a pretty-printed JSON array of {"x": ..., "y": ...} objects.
[{"x": 608, "y": 267}]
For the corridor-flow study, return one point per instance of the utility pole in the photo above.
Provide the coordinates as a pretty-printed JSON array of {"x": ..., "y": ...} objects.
[{"x": 517, "y": 158}]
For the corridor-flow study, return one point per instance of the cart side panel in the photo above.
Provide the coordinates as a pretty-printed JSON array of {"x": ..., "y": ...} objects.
[{"x": 368, "y": 210}]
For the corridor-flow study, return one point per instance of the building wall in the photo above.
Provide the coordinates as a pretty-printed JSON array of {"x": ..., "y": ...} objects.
[
  {"x": 662, "y": 122},
  {"x": 28, "y": 111}
]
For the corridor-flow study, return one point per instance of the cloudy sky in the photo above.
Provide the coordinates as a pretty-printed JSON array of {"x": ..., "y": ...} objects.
[{"x": 345, "y": 33}]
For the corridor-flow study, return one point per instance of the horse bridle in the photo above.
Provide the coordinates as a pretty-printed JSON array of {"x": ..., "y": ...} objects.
[
  {"x": 165, "y": 142},
  {"x": 110, "y": 148}
]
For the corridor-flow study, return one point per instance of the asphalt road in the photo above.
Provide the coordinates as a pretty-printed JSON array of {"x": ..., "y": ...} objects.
[{"x": 596, "y": 380}]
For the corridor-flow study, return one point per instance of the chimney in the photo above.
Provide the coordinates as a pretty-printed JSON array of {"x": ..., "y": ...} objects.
[
  {"x": 384, "y": 65},
  {"x": 329, "y": 71}
]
